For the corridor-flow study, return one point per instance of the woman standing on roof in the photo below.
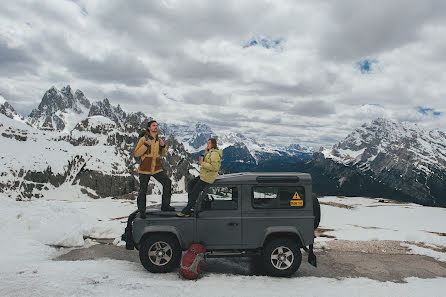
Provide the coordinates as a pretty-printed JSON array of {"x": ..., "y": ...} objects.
[{"x": 210, "y": 164}]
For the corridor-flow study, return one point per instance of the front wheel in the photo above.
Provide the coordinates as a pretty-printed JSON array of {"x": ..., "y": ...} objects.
[
  {"x": 160, "y": 253},
  {"x": 281, "y": 257}
]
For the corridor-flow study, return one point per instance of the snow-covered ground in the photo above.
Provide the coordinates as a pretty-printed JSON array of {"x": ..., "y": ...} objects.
[
  {"x": 357, "y": 218},
  {"x": 34, "y": 232}
]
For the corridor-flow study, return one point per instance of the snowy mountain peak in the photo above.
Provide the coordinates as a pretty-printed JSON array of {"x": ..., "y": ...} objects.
[
  {"x": 67, "y": 92},
  {"x": 202, "y": 127},
  {"x": 235, "y": 137},
  {"x": 60, "y": 110},
  {"x": 80, "y": 97},
  {"x": 382, "y": 138},
  {"x": 387, "y": 157},
  {"x": 9, "y": 111},
  {"x": 106, "y": 109},
  {"x": 299, "y": 149},
  {"x": 136, "y": 121}
]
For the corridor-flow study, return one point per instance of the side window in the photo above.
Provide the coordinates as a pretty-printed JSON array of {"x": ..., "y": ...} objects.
[
  {"x": 220, "y": 198},
  {"x": 278, "y": 197}
]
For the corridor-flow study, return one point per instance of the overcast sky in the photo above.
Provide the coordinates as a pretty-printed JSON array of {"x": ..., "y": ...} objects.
[{"x": 305, "y": 72}]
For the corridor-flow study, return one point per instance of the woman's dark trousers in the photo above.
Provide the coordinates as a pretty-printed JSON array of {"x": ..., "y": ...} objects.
[{"x": 194, "y": 187}]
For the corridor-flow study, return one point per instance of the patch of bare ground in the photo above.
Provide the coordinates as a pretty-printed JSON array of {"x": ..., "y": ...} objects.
[
  {"x": 370, "y": 227},
  {"x": 336, "y": 204},
  {"x": 388, "y": 247},
  {"x": 365, "y": 227},
  {"x": 390, "y": 202},
  {"x": 100, "y": 240},
  {"x": 320, "y": 232},
  {"x": 440, "y": 249},
  {"x": 367, "y": 246},
  {"x": 130, "y": 196},
  {"x": 438, "y": 233},
  {"x": 118, "y": 218}
]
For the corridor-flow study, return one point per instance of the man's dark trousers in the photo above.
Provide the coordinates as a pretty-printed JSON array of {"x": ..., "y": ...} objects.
[
  {"x": 164, "y": 180},
  {"x": 194, "y": 187}
]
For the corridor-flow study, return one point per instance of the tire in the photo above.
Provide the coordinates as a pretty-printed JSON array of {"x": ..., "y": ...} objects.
[
  {"x": 278, "y": 248},
  {"x": 316, "y": 211},
  {"x": 169, "y": 249}
]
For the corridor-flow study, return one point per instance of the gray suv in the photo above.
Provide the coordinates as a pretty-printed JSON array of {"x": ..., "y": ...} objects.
[{"x": 273, "y": 215}]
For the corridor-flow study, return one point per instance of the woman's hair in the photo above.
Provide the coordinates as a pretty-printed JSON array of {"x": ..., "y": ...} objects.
[{"x": 213, "y": 142}]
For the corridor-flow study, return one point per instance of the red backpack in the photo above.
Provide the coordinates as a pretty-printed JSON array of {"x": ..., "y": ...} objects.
[{"x": 192, "y": 260}]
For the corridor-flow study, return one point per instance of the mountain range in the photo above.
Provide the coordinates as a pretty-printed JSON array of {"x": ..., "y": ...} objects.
[
  {"x": 384, "y": 158},
  {"x": 69, "y": 140}
]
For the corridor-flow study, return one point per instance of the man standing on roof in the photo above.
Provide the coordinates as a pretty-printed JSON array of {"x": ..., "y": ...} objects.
[
  {"x": 210, "y": 164},
  {"x": 151, "y": 148}
]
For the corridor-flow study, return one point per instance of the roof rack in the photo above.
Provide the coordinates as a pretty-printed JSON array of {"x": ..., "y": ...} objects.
[{"x": 277, "y": 179}]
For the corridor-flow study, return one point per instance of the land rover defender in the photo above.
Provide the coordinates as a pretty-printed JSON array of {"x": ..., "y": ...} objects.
[{"x": 272, "y": 215}]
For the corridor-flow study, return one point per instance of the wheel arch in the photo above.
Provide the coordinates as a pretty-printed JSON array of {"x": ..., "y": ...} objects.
[
  {"x": 169, "y": 230},
  {"x": 282, "y": 232}
]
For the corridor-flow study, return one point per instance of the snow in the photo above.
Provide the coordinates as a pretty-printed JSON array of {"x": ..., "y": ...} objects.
[
  {"x": 2, "y": 100},
  {"x": 36, "y": 229},
  {"x": 370, "y": 219},
  {"x": 414, "y": 249},
  {"x": 120, "y": 278},
  {"x": 345, "y": 155},
  {"x": 72, "y": 118}
]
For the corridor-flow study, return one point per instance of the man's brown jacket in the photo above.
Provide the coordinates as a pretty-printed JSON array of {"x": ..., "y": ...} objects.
[{"x": 150, "y": 155}]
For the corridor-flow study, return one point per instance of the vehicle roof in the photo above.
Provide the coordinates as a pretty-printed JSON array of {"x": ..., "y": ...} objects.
[{"x": 251, "y": 177}]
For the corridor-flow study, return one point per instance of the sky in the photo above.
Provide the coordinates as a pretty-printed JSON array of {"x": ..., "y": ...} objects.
[{"x": 306, "y": 72}]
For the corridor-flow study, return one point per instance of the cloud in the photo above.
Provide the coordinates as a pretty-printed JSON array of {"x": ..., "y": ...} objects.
[
  {"x": 361, "y": 29},
  {"x": 204, "y": 97},
  {"x": 15, "y": 60},
  {"x": 110, "y": 69},
  {"x": 304, "y": 72},
  {"x": 312, "y": 108},
  {"x": 190, "y": 70}
]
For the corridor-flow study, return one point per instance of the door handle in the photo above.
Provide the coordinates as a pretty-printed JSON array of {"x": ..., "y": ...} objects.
[{"x": 232, "y": 224}]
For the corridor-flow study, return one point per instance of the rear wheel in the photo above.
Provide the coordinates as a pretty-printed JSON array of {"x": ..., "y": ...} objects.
[
  {"x": 281, "y": 257},
  {"x": 160, "y": 253}
]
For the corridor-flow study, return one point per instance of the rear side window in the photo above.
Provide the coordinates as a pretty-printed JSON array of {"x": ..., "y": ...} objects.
[
  {"x": 221, "y": 198},
  {"x": 278, "y": 197}
]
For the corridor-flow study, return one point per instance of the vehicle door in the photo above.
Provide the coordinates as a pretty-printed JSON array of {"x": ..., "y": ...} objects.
[{"x": 218, "y": 221}]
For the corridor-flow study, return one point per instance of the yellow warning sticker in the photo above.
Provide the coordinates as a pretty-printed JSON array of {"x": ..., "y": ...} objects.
[
  {"x": 296, "y": 203},
  {"x": 296, "y": 196}
]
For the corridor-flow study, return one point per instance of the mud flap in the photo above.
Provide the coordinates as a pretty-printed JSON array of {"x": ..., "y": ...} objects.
[
  {"x": 128, "y": 233},
  {"x": 312, "y": 256}
]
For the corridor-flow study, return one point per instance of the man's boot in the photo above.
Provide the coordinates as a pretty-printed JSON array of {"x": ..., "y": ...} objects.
[
  {"x": 167, "y": 208},
  {"x": 142, "y": 214}
]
